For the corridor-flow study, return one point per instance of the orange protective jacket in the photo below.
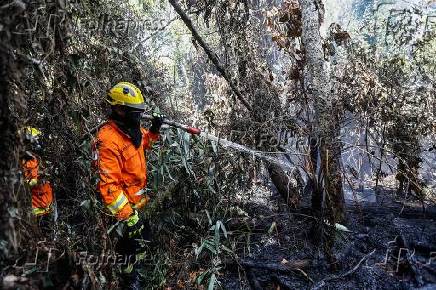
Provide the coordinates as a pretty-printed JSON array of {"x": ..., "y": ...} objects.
[
  {"x": 122, "y": 169},
  {"x": 42, "y": 192}
]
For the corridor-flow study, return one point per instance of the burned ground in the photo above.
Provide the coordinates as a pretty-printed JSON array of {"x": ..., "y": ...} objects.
[{"x": 400, "y": 238}]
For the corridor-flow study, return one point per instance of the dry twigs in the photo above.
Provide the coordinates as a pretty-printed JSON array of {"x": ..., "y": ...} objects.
[{"x": 349, "y": 272}]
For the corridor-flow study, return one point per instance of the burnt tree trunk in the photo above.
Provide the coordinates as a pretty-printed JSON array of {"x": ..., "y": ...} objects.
[
  {"x": 325, "y": 126},
  {"x": 407, "y": 149},
  {"x": 312, "y": 185}
]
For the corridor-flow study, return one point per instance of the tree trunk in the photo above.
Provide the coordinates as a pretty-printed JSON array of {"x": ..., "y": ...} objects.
[{"x": 325, "y": 125}]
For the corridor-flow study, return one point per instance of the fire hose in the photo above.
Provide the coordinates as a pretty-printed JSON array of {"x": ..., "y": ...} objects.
[{"x": 190, "y": 130}]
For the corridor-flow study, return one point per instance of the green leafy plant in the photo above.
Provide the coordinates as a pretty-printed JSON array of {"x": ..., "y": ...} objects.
[{"x": 213, "y": 248}]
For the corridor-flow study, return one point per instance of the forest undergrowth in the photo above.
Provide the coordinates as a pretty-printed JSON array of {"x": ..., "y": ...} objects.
[{"x": 335, "y": 187}]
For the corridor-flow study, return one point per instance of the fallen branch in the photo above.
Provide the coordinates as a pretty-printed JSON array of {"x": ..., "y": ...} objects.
[
  {"x": 286, "y": 268},
  {"x": 212, "y": 56},
  {"x": 349, "y": 272}
]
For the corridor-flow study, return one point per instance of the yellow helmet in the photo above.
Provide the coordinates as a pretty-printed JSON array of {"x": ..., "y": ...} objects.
[
  {"x": 126, "y": 94},
  {"x": 31, "y": 133}
]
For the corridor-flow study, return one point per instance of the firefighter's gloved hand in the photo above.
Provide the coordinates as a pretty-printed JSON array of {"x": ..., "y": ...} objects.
[
  {"x": 32, "y": 182},
  {"x": 156, "y": 122},
  {"x": 134, "y": 225},
  {"x": 133, "y": 219}
]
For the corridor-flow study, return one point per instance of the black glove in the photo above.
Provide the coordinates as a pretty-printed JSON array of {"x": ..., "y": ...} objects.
[
  {"x": 137, "y": 227},
  {"x": 156, "y": 122}
]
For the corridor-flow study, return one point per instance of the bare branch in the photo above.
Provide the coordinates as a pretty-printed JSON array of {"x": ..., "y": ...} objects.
[{"x": 212, "y": 56}]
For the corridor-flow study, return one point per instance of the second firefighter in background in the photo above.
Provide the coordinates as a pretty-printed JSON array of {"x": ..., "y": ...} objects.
[{"x": 40, "y": 188}]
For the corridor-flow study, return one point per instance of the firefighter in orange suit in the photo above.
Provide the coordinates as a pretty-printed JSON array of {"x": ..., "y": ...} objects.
[
  {"x": 42, "y": 192},
  {"x": 121, "y": 161}
]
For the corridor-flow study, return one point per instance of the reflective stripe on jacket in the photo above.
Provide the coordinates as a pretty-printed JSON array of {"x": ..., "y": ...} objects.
[
  {"x": 42, "y": 198},
  {"x": 122, "y": 169},
  {"x": 42, "y": 192}
]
